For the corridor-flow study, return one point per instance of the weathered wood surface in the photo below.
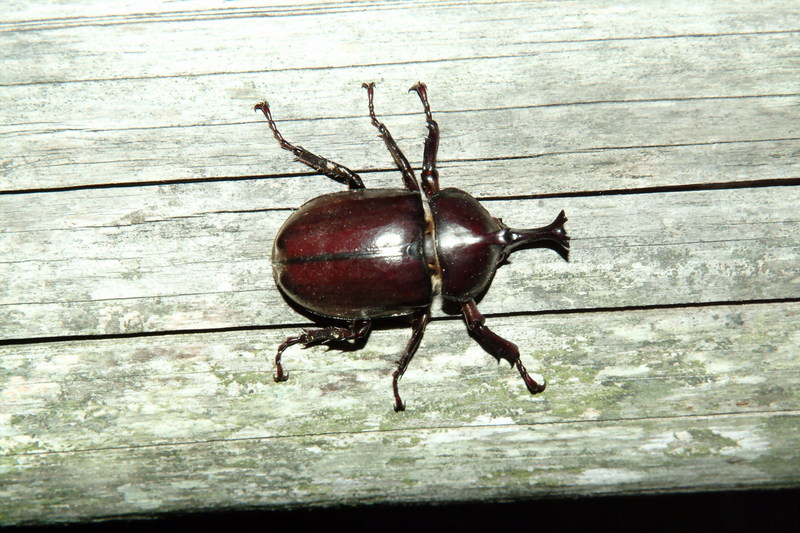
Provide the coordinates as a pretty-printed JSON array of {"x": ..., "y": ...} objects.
[
  {"x": 160, "y": 260},
  {"x": 139, "y": 197}
]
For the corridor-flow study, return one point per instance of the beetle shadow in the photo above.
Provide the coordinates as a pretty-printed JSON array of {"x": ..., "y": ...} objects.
[
  {"x": 557, "y": 247},
  {"x": 452, "y": 307},
  {"x": 320, "y": 321}
]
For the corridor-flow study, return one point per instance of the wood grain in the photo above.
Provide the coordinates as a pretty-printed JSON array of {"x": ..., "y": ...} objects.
[
  {"x": 139, "y": 196},
  {"x": 133, "y": 270}
]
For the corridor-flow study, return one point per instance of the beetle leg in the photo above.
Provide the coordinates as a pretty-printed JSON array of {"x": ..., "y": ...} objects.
[
  {"x": 430, "y": 176},
  {"x": 418, "y": 323},
  {"x": 400, "y": 160},
  {"x": 357, "y": 329},
  {"x": 496, "y": 345},
  {"x": 335, "y": 171}
]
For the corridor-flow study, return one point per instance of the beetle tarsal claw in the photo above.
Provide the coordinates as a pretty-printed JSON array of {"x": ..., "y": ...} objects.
[
  {"x": 531, "y": 384},
  {"x": 417, "y": 87}
]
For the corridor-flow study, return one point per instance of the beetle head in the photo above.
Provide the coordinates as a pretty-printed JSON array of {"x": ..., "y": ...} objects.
[{"x": 471, "y": 243}]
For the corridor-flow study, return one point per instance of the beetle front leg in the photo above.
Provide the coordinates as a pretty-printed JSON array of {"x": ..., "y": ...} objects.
[
  {"x": 333, "y": 170},
  {"x": 430, "y": 176},
  {"x": 357, "y": 329},
  {"x": 400, "y": 160},
  {"x": 496, "y": 345},
  {"x": 418, "y": 323}
]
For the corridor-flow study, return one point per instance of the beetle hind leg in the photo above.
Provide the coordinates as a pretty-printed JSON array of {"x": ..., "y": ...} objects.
[
  {"x": 496, "y": 345},
  {"x": 357, "y": 329},
  {"x": 333, "y": 170}
]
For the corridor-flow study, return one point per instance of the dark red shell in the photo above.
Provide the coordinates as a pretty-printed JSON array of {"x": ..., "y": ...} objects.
[
  {"x": 468, "y": 241},
  {"x": 357, "y": 254}
]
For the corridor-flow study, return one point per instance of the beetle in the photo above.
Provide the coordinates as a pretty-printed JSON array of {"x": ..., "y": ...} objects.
[{"x": 366, "y": 254}]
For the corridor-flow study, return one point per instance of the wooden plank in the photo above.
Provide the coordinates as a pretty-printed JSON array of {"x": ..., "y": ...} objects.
[
  {"x": 100, "y": 129},
  {"x": 167, "y": 389},
  {"x": 139, "y": 198},
  {"x": 270, "y": 39},
  {"x": 502, "y": 144},
  {"x": 702, "y": 398},
  {"x": 697, "y": 453},
  {"x": 133, "y": 270},
  {"x": 204, "y": 128}
]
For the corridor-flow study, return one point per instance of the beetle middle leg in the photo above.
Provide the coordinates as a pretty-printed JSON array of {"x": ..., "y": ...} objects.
[
  {"x": 357, "y": 329},
  {"x": 430, "y": 176},
  {"x": 418, "y": 322},
  {"x": 400, "y": 160},
  {"x": 333, "y": 170},
  {"x": 496, "y": 345}
]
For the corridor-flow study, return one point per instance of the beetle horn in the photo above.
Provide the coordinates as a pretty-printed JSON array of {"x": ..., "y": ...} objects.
[{"x": 553, "y": 235}]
